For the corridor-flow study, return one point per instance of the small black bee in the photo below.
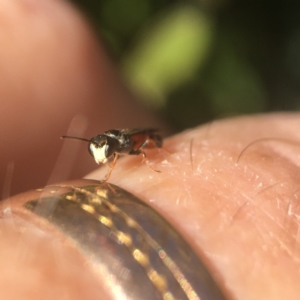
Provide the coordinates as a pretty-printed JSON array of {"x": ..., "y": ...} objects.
[{"x": 108, "y": 146}]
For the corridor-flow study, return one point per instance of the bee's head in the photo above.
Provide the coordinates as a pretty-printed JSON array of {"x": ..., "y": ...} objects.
[{"x": 102, "y": 147}]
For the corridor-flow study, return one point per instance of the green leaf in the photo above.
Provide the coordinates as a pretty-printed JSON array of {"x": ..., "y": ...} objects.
[{"x": 169, "y": 53}]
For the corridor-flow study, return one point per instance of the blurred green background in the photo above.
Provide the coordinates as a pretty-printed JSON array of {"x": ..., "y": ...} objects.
[{"x": 193, "y": 61}]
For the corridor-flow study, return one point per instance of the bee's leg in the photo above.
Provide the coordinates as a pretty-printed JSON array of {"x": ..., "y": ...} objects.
[
  {"x": 158, "y": 141},
  {"x": 146, "y": 160},
  {"x": 111, "y": 166}
]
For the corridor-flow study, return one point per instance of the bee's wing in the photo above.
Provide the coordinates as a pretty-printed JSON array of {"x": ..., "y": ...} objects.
[{"x": 133, "y": 131}]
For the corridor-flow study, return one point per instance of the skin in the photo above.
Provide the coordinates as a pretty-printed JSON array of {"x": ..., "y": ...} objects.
[{"x": 242, "y": 219}]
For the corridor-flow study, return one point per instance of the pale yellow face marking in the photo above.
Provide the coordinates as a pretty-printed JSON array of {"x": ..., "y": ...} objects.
[{"x": 99, "y": 154}]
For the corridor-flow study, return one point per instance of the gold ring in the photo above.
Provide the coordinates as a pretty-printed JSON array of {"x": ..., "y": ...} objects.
[{"x": 139, "y": 254}]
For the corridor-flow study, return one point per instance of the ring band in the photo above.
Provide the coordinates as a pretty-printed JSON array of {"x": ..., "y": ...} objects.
[{"x": 137, "y": 252}]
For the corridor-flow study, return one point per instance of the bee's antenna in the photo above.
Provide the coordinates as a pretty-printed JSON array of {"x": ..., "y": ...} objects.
[{"x": 74, "y": 138}]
